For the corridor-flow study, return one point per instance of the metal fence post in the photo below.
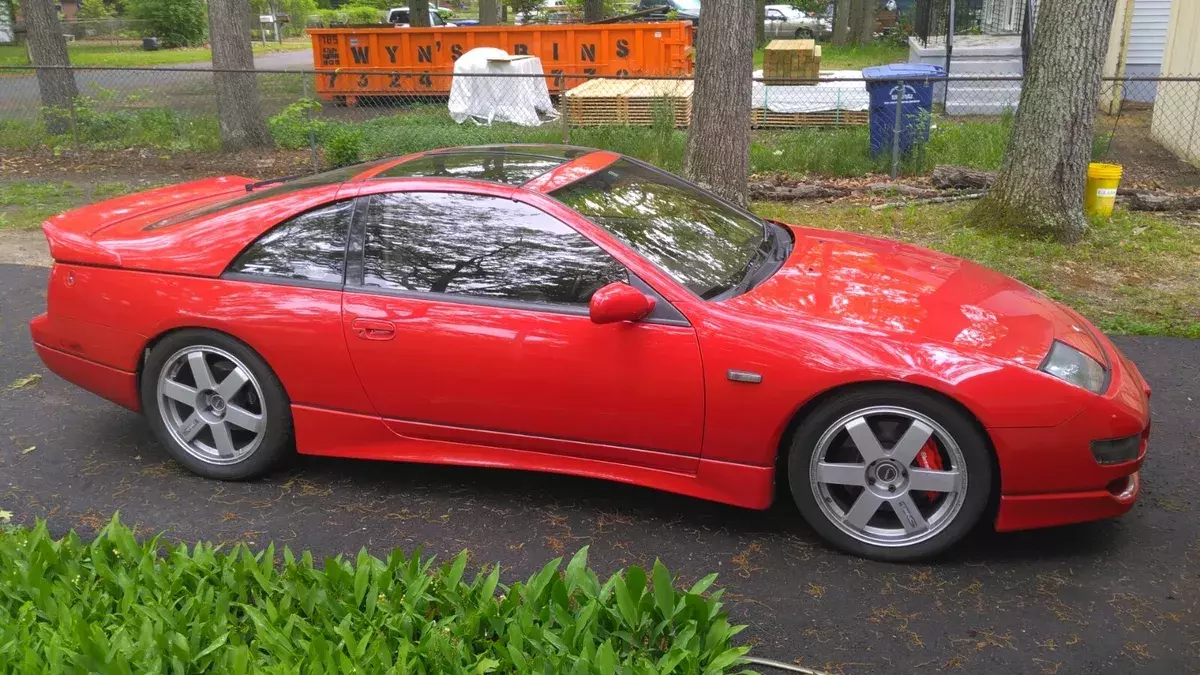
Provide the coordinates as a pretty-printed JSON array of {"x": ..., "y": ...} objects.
[
  {"x": 566, "y": 123},
  {"x": 896, "y": 130},
  {"x": 312, "y": 134},
  {"x": 74, "y": 126}
]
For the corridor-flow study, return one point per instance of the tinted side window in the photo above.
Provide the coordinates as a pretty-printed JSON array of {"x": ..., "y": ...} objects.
[
  {"x": 310, "y": 246},
  {"x": 480, "y": 246}
]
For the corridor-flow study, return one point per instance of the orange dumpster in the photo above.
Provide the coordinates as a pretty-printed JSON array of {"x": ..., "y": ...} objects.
[{"x": 386, "y": 61}]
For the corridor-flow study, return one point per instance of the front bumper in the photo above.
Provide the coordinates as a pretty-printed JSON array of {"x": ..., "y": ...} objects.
[
  {"x": 1049, "y": 475},
  {"x": 1027, "y": 512}
]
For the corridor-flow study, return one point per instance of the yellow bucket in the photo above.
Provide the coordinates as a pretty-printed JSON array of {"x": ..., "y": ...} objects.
[{"x": 1101, "y": 191}]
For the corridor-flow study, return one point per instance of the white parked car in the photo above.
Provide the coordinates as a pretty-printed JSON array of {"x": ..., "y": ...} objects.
[
  {"x": 785, "y": 22},
  {"x": 551, "y": 11},
  {"x": 398, "y": 17}
]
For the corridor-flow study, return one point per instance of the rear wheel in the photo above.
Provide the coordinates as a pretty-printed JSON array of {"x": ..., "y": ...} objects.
[
  {"x": 805, "y": 34},
  {"x": 890, "y": 473},
  {"x": 216, "y": 406}
]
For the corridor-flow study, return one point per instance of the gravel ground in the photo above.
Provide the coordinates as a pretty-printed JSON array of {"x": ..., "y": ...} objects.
[{"x": 1103, "y": 597}]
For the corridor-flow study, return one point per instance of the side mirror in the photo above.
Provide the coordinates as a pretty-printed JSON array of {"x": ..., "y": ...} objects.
[{"x": 619, "y": 302}]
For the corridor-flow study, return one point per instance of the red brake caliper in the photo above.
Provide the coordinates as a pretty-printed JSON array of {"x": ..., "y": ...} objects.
[{"x": 929, "y": 458}]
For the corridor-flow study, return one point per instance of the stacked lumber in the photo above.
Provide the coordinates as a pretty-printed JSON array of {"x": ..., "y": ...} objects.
[
  {"x": 632, "y": 102},
  {"x": 792, "y": 60},
  {"x": 761, "y": 118}
]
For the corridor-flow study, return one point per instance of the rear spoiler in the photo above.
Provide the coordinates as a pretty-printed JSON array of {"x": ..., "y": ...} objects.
[{"x": 73, "y": 235}]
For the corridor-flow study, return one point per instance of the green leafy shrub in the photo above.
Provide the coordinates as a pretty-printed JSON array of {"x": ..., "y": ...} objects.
[
  {"x": 117, "y": 606},
  {"x": 176, "y": 23},
  {"x": 344, "y": 145},
  {"x": 93, "y": 10},
  {"x": 362, "y": 14},
  {"x": 295, "y": 126}
]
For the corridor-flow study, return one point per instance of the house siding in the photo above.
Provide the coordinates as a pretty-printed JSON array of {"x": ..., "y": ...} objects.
[
  {"x": 1147, "y": 38},
  {"x": 1176, "y": 120}
]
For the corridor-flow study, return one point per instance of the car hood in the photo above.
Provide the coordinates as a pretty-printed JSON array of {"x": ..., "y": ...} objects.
[{"x": 882, "y": 287}]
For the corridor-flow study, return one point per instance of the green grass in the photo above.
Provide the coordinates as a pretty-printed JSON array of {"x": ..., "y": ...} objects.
[
  {"x": 854, "y": 57},
  {"x": 841, "y": 152},
  {"x": 25, "y": 204},
  {"x": 1135, "y": 273},
  {"x": 128, "y": 54},
  {"x": 116, "y": 605}
]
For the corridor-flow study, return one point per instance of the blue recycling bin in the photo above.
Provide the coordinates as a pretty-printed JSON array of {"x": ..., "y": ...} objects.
[{"x": 909, "y": 88}]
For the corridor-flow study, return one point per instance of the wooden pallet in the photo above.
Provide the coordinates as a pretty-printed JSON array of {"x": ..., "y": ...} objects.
[
  {"x": 792, "y": 60},
  {"x": 628, "y": 102},
  {"x": 763, "y": 119}
]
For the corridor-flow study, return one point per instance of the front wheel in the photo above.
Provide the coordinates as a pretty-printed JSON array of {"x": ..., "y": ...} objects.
[
  {"x": 216, "y": 406},
  {"x": 890, "y": 473}
]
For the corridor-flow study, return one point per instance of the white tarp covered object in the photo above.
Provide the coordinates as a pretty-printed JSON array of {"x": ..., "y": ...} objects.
[
  {"x": 520, "y": 100},
  {"x": 837, "y": 90}
]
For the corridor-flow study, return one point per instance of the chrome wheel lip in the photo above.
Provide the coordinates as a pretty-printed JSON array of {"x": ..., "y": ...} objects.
[
  {"x": 937, "y": 520},
  {"x": 209, "y": 414}
]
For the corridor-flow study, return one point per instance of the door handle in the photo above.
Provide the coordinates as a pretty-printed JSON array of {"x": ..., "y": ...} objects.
[{"x": 372, "y": 329}]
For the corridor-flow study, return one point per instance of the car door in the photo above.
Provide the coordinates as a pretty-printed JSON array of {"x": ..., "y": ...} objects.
[{"x": 468, "y": 321}]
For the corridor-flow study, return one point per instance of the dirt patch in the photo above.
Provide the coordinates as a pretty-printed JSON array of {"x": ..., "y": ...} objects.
[
  {"x": 1146, "y": 163},
  {"x": 118, "y": 165},
  {"x": 24, "y": 247}
]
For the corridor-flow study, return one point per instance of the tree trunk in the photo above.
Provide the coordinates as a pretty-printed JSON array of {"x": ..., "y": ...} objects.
[
  {"x": 418, "y": 13},
  {"x": 238, "y": 106},
  {"x": 866, "y": 22},
  {"x": 1040, "y": 184},
  {"x": 47, "y": 47},
  {"x": 593, "y": 10},
  {"x": 760, "y": 23},
  {"x": 718, "y": 143},
  {"x": 489, "y": 12},
  {"x": 841, "y": 22},
  {"x": 856, "y": 9}
]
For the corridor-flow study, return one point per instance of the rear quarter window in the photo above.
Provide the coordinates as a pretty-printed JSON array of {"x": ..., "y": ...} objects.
[{"x": 308, "y": 247}]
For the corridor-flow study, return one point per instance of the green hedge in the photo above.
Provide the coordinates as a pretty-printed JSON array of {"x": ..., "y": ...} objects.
[{"x": 118, "y": 606}]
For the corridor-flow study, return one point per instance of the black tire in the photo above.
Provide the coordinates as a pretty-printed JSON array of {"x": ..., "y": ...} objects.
[
  {"x": 276, "y": 442},
  {"x": 805, "y": 34},
  {"x": 971, "y": 441}
]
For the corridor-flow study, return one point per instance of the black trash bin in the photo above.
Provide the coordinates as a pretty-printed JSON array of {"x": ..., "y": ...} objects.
[{"x": 150, "y": 44}]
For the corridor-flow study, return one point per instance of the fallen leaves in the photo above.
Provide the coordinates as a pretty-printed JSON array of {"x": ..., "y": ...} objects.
[{"x": 25, "y": 382}]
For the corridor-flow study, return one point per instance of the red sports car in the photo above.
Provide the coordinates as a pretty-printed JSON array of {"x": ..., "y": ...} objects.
[{"x": 576, "y": 311}]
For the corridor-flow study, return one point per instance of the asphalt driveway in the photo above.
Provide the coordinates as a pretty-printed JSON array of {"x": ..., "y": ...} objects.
[{"x": 1103, "y": 597}]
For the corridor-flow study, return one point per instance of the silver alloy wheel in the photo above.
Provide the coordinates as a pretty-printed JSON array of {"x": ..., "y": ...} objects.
[
  {"x": 920, "y": 502},
  {"x": 211, "y": 404}
]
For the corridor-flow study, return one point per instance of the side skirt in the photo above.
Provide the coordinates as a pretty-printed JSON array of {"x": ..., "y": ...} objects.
[{"x": 342, "y": 434}]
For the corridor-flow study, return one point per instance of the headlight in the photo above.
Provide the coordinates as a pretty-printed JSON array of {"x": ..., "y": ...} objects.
[{"x": 1071, "y": 365}]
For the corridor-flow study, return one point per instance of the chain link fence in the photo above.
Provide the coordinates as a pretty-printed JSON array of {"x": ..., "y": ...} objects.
[
  {"x": 822, "y": 128},
  {"x": 116, "y": 31}
]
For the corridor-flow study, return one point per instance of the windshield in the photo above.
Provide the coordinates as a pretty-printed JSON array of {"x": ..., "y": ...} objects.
[
  {"x": 703, "y": 243},
  {"x": 688, "y": 5}
]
